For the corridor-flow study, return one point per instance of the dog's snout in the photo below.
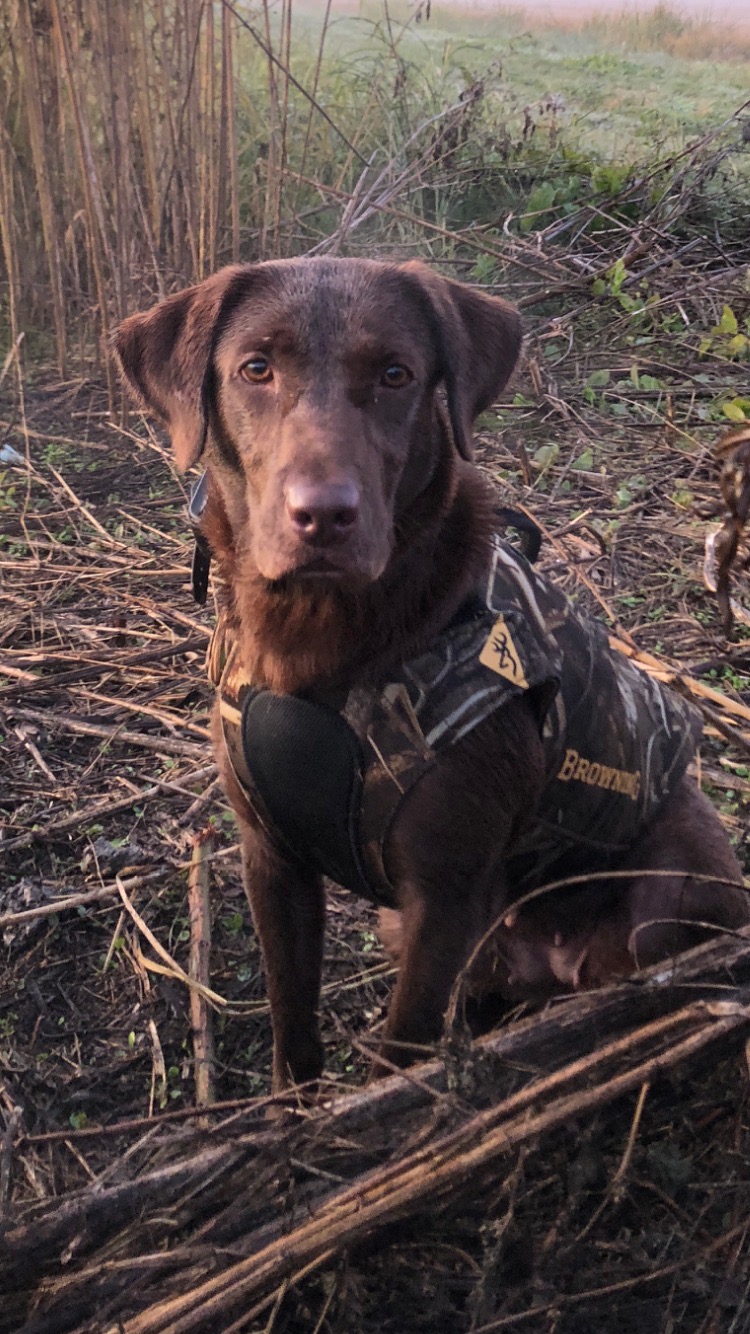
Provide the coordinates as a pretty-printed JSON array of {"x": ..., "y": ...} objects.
[{"x": 323, "y": 513}]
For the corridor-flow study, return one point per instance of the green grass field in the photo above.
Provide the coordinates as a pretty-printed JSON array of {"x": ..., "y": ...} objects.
[{"x": 628, "y": 84}]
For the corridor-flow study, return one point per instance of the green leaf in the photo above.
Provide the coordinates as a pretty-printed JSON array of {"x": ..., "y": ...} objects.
[
  {"x": 485, "y": 268},
  {"x": 598, "y": 379},
  {"x": 733, "y": 412},
  {"x": 728, "y": 322},
  {"x": 609, "y": 177},
  {"x": 584, "y": 462},
  {"x": 546, "y": 455},
  {"x": 233, "y": 923},
  {"x": 737, "y": 346},
  {"x": 540, "y": 200},
  {"x": 617, "y": 275},
  {"x": 488, "y": 421}
]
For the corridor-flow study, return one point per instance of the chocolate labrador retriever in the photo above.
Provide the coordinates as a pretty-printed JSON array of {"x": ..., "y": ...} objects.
[{"x": 404, "y": 704}]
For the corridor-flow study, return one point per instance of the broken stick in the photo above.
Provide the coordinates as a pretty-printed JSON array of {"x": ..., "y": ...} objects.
[{"x": 200, "y": 953}]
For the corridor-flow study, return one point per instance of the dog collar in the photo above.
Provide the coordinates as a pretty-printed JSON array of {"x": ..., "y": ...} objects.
[{"x": 201, "y": 564}]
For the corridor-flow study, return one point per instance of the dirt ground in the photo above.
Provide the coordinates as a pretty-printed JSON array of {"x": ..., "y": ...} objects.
[
  {"x": 92, "y": 1035},
  {"x": 106, "y": 753}
]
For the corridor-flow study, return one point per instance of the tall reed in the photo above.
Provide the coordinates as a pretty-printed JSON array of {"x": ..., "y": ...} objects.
[{"x": 143, "y": 145}]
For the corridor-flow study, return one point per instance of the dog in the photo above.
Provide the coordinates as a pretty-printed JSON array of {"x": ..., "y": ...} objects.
[{"x": 404, "y": 705}]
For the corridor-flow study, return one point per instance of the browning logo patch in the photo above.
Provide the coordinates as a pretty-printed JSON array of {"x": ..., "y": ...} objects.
[
  {"x": 577, "y": 769},
  {"x": 501, "y": 655}
]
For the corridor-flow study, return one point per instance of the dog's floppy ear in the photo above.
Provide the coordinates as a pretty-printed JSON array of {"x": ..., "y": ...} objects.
[
  {"x": 480, "y": 341},
  {"x": 165, "y": 356}
]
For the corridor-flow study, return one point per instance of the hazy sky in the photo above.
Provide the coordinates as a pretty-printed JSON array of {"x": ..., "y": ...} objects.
[{"x": 735, "y": 11}]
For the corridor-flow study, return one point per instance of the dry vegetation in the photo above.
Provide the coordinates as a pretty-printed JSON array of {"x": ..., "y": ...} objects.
[{"x": 585, "y": 1169}]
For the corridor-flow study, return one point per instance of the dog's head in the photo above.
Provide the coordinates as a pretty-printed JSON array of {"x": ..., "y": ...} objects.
[{"x": 311, "y": 386}]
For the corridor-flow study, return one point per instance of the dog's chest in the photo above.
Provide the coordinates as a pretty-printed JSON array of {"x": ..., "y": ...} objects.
[{"x": 330, "y": 782}]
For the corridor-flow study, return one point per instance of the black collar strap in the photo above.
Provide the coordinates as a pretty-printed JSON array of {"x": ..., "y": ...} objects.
[{"x": 202, "y": 552}]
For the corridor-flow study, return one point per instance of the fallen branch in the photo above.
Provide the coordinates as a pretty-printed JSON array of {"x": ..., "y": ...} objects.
[
  {"x": 199, "y": 909},
  {"x": 76, "y": 900},
  {"x": 90, "y": 671},
  {"x": 81, "y": 818},
  {"x": 443, "y": 1167},
  {"x": 229, "y": 1193},
  {"x": 65, "y": 722}
]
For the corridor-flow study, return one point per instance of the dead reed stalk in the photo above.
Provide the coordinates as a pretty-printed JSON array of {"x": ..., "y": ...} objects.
[
  {"x": 200, "y": 970},
  {"x": 118, "y": 159}
]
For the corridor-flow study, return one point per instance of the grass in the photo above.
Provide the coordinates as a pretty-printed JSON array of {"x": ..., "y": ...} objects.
[
  {"x": 660, "y": 28},
  {"x": 627, "y": 80}
]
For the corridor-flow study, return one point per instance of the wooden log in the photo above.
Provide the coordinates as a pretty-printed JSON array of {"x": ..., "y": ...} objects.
[
  {"x": 352, "y": 1214},
  {"x": 349, "y": 1162}
]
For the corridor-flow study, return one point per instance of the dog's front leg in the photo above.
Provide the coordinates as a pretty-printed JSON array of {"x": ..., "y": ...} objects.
[
  {"x": 289, "y": 914},
  {"x": 436, "y": 937},
  {"x": 446, "y": 854},
  {"x": 288, "y": 910}
]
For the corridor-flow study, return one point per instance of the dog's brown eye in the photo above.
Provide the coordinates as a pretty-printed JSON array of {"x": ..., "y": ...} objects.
[
  {"x": 395, "y": 377},
  {"x": 256, "y": 370}
]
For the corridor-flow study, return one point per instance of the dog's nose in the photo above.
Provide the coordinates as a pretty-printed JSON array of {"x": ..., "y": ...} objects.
[{"x": 323, "y": 513}]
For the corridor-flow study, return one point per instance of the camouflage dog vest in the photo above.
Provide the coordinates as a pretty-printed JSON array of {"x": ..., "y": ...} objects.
[{"x": 328, "y": 782}]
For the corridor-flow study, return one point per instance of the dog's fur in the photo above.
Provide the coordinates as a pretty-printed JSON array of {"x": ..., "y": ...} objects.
[{"x": 348, "y": 526}]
